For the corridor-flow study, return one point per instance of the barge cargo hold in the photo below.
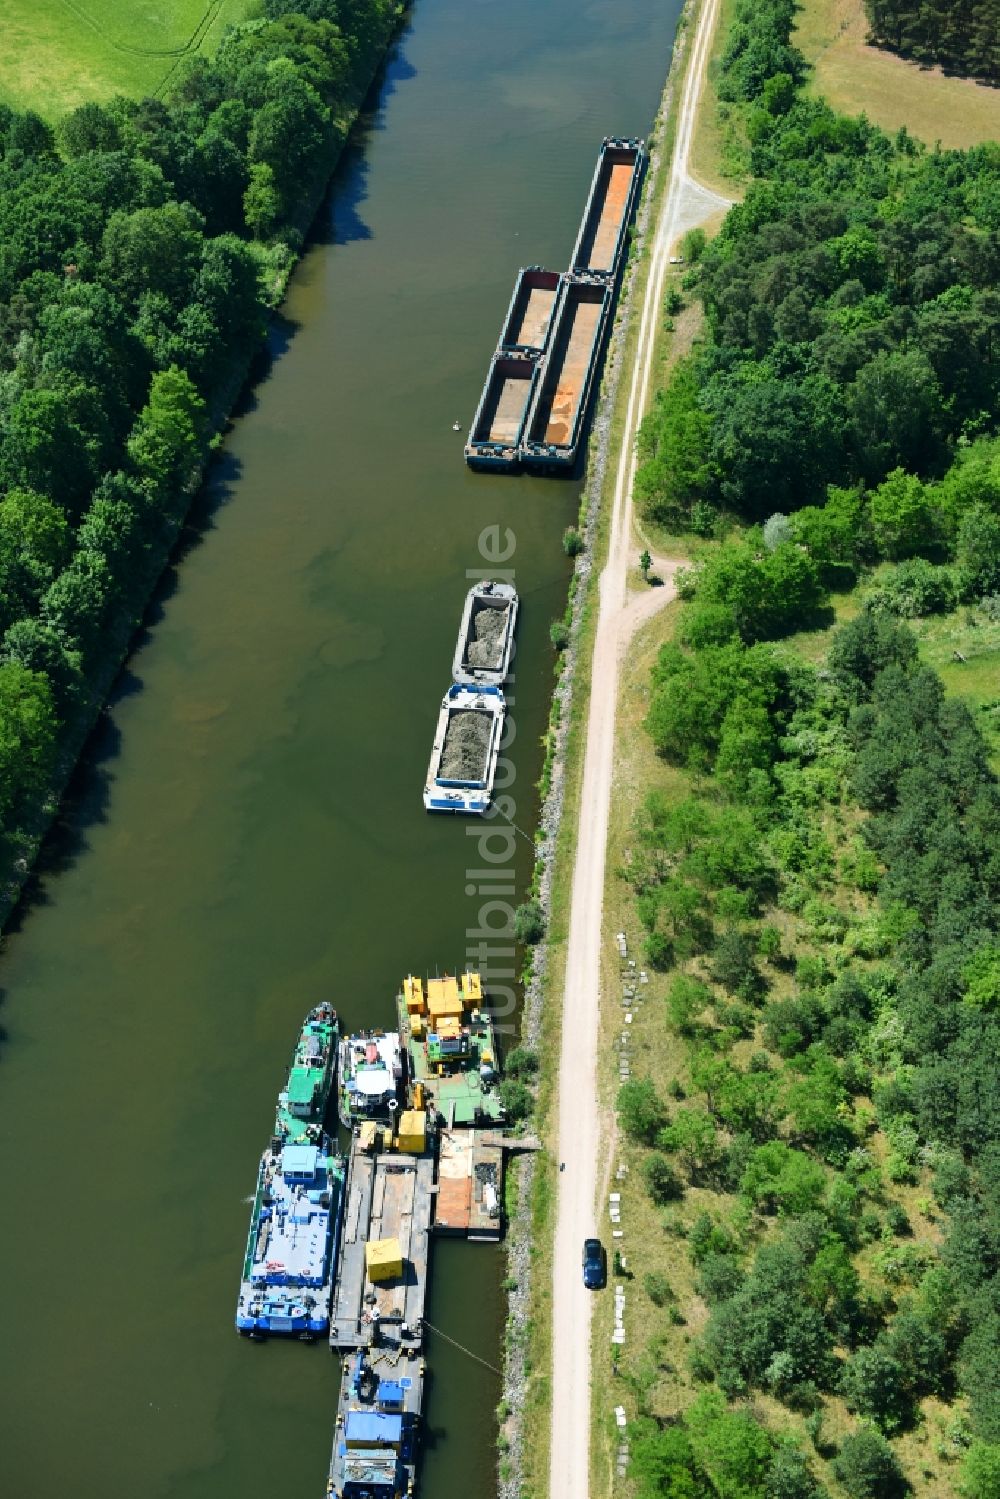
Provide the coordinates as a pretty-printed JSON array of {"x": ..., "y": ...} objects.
[
  {"x": 558, "y": 412},
  {"x": 600, "y": 244},
  {"x": 378, "y": 1427},
  {"x": 499, "y": 421},
  {"x": 486, "y": 634},
  {"x": 503, "y": 407},
  {"x": 529, "y": 316},
  {"x": 466, "y": 747}
]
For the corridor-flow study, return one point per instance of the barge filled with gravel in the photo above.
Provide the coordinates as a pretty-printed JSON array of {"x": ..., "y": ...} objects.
[
  {"x": 466, "y": 746},
  {"x": 486, "y": 634}
]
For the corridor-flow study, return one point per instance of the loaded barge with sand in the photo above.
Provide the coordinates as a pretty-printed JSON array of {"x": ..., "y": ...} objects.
[
  {"x": 533, "y": 407},
  {"x": 562, "y": 392},
  {"x": 486, "y": 634},
  {"x": 497, "y": 427},
  {"x": 600, "y": 244},
  {"x": 466, "y": 748}
]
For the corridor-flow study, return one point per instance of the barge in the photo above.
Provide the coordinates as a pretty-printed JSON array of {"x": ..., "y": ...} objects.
[
  {"x": 378, "y": 1427},
  {"x": 451, "y": 1048},
  {"x": 292, "y": 1247},
  {"x": 555, "y": 423},
  {"x": 486, "y": 634},
  {"x": 381, "y": 1282},
  {"x": 466, "y": 748},
  {"x": 371, "y": 1076},
  {"x": 497, "y": 427},
  {"x": 600, "y": 244}
]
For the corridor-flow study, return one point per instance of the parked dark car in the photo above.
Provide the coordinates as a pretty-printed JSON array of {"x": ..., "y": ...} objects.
[{"x": 595, "y": 1265}]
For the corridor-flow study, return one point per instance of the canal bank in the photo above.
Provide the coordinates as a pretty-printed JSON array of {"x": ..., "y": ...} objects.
[{"x": 246, "y": 835}]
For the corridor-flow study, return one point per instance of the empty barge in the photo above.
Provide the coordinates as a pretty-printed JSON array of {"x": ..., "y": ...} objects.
[
  {"x": 562, "y": 392},
  {"x": 466, "y": 747},
  {"x": 486, "y": 634},
  {"x": 600, "y": 244}
]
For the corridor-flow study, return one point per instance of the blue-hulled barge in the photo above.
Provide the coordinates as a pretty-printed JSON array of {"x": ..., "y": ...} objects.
[
  {"x": 290, "y": 1257},
  {"x": 378, "y": 1426}
]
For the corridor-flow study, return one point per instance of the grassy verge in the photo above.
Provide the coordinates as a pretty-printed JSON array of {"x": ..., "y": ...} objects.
[
  {"x": 58, "y": 54},
  {"x": 719, "y": 156},
  {"x": 564, "y": 766},
  {"x": 856, "y": 78}
]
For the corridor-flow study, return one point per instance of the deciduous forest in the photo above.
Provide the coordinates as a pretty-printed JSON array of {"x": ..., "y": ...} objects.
[
  {"x": 816, "y": 870},
  {"x": 141, "y": 245}
]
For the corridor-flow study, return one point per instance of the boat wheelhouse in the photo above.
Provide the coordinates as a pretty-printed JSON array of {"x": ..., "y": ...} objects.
[{"x": 371, "y": 1076}]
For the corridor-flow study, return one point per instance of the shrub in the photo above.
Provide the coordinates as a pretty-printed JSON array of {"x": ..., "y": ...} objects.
[
  {"x": 521, "y": 1063},
  {"x": 640, "y": 1110},
  {"x": 559, "y": 634},
  {"x": 516, "y": 1099},
  {"x": 573, "y": 542},
  {"x": 662, "y": 1180},
  {"x": 529, "y": 922},
  {"x": 867, "y": 1466},
  {"x": 657, "y": 1288}
]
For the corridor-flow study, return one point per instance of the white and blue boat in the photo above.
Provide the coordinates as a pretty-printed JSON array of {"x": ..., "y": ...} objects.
[
  {"x": 291, "y": 1250},
  {"x": 466, "y": 748}
]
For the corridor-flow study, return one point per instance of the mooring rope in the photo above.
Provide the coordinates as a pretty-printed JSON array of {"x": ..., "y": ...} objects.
[{"x": 461, "y": 1347}]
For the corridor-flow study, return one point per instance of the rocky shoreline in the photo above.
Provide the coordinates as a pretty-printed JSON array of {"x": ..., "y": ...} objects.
[{"x": 518, "y": 1242}]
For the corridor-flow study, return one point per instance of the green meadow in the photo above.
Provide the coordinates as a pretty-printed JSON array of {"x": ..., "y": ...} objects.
[{"x": 57, "y": 54}]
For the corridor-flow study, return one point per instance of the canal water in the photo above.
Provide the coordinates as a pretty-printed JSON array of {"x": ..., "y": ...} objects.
[{"x": 246, "y": 834}]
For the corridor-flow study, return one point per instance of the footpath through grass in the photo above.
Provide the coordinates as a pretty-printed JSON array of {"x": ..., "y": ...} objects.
[{"x": 57, "y": 54}]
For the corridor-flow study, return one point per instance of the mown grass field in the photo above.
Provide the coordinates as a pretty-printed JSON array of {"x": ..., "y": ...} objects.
[
  {"x": 890, "y": 91},
  {"x": 57, "y": 54}
]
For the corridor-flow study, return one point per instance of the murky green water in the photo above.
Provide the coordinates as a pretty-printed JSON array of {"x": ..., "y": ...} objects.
[{"x": 247, "y": 834}]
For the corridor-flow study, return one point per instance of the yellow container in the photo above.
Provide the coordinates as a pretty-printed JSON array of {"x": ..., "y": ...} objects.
[
  {"x": 472, "y": 988},
  {"x": 416, "y": 1026},
  {"x": 412, "y": 1134},
  {"x": 368, "y": 1135},
  {"x": 413, "y": 995},
  {"x": 383, "y": 1259},
  {"x": 443, "y": 998}
]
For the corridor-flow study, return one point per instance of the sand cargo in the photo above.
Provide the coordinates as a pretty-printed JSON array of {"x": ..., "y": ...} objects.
[
  {"x": 533, "y": 407},
  {"x": 600, "y": 244},
  {"x": 556, "y": 420},
  {"x": 486, "y": 634},
  {"x": 466, "y": 746},
  {"x": 499, "y": 421}
]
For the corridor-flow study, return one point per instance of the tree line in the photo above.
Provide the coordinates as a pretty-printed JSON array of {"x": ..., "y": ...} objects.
[
  {"x": 141, "y": 244},
  {"x": 836, "y": 987},
  {"x": 962, "y": 35},
  {"x": 853, "y": 317}
]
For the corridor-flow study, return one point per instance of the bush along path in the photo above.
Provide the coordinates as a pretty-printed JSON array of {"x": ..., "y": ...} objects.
[{"x": 142, "y": 244}]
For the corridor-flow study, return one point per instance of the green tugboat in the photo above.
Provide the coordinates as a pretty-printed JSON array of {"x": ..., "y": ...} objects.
[{"x": 291, "y": 1251}]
